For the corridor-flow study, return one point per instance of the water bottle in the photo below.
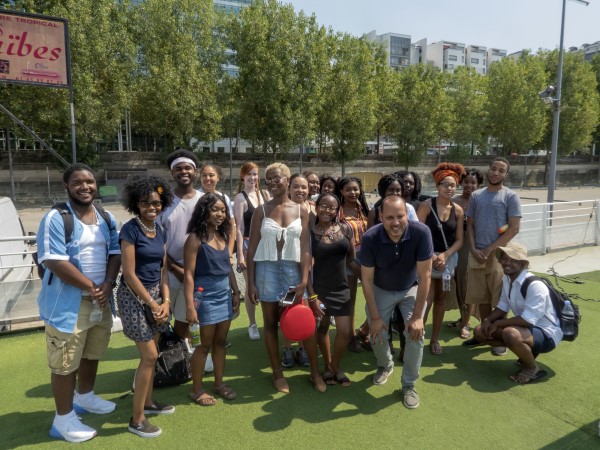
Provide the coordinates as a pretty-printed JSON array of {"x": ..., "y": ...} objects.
[
  {"x": 96, "y": 314},
  {"x": 568, "y": 319},
  {"x": 195, "y": 334},
  {"x": 198, "y": 297},
  {"x": 446, "y": 278}
]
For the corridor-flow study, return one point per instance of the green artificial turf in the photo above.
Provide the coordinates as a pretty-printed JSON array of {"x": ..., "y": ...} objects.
[{"x": 467, "y": 399}]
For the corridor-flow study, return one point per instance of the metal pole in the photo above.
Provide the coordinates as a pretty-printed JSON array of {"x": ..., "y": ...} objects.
[
  {"x": 556, "y": 112},
  {"x": 73, "y": 139},
  {"x": 10, "y": 165},
  {"x": 230, "y": 167},
  {"x": 48, "y": 178}
]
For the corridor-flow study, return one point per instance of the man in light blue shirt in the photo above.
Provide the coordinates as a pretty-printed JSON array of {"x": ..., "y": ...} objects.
[{"x": 79, "y": 277}]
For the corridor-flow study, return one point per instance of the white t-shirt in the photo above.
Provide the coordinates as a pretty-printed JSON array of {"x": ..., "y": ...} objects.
[
  {"x": 92, "y": 253},
  {"x": 174, "y": 221}
]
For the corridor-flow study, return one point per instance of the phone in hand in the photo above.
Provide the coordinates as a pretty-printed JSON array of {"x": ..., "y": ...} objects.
[{"x": 289, "y": 297}]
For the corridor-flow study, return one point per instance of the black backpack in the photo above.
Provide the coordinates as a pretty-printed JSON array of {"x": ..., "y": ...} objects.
[
  {"x": 69, "y": 223},
  {"x": 558, "y": 301},
  {"x": 173, "y": 364}
]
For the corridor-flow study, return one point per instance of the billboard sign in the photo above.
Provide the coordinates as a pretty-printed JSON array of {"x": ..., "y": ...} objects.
[{"x": 34, "y": 49}]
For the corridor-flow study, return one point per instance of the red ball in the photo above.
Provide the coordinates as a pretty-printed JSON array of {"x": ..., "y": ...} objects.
[{"x": 297, "y": 322}]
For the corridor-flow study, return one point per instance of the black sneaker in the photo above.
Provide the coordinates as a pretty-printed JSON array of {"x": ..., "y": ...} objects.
[
  {"x": 144, "y": 429},
  {"x": 158, "y": 408}
]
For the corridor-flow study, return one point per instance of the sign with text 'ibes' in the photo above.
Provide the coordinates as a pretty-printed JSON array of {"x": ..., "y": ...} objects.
[{"x": 34, "y": 49}]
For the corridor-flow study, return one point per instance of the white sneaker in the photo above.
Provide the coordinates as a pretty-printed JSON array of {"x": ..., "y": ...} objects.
[
  {"x": 253, "y": 332},
  {"x": 209, "y": 367},
  {"x": 71, "y": 429},
  {"x": 91, "y": 403}
]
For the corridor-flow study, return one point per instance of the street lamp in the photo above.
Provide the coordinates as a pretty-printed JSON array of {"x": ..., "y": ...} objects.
[{"x": 555, "y": 101}]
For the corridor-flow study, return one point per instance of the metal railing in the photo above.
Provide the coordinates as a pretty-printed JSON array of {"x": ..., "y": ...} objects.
[{"x": 549, "y": 227}]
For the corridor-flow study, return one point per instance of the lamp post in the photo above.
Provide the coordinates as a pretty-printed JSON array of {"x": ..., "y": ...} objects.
[{"x": 556, "y": 105}]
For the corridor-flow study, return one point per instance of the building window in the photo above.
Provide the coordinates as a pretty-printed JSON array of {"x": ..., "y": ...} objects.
[
  {"x": 462, "y": 59},
  {"x": 452, "y": 58},
  {"x": 474, "y": 60},
  {"x": 450, "y": 66},
  {"x": 205, "y": 149},
  {"x": 220, "y": 149}
]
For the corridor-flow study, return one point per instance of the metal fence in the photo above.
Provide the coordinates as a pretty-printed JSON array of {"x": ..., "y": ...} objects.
[{"x": 547, "y": 227}]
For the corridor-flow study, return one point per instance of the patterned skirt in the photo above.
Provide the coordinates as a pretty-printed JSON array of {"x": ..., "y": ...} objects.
[{"x": 135, "y": 325}]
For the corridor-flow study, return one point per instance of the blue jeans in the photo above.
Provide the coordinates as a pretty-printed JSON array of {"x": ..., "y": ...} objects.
[{"x": 386, "y": 301}]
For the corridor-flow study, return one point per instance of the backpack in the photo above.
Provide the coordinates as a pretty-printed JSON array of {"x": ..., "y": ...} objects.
[
  {"x": 69, "y": 224},
  {"x": 173, "y": 364},
  {"x": 558, "y": 301}
]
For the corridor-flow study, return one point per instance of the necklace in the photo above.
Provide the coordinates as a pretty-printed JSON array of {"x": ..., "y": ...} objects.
[
  {"x": 330, "y": 233},
  {"x": 80, "y": 217},
  {"x": 144, "y": 227}
]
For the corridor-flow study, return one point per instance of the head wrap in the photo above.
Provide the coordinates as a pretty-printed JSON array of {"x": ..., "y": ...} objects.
[{"x": 444, "y": 170}]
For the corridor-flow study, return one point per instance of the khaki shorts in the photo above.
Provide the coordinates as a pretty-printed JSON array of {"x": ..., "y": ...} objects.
[
  {"x": 88, "y": 340},
  {"x": 178, "y": 307},
  {"x": 484, "y": 282}
]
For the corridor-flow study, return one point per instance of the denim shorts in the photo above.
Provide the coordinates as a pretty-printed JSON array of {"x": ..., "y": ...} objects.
[
  {"x": 274, "y": 278},
  {"x": 216, "y": 305},
  {"x": 541, "y": 342}
]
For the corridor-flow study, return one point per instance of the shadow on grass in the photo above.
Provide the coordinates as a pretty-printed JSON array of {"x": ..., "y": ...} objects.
[
  {"x": 584, "y": 437},
  {"x": 483, "y": 375}
]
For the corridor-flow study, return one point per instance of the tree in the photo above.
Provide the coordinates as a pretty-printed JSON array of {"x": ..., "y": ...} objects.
[
  {"x": 102, "y": 58},
  {"x": 281, "y": 57},
  {"x": 383, "y": 84},
  {"x": 516, "y": 116},
  {"x": 466, "y": 91},
  {"x": 347, "y": 117},
  {"x": 178, "y": 68},
  {"x": 419, "y": 107},
  {"x": 596, "y": 67},
  {"x": 580, "y": 103}
]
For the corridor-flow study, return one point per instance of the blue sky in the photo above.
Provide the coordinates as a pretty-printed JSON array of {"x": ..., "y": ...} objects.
[{"x": 507, "y": 24}]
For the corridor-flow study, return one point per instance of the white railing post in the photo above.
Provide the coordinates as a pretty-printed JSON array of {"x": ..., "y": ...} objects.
[
  {"x": 597, "y": 228},
  {"x": 545, "y": 230}
]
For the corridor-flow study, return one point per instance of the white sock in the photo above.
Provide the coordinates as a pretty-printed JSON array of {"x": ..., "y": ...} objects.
[{"x": 64, "y": 418}]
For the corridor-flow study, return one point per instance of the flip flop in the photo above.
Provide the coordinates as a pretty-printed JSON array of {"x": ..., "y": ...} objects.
[
  {"x": 329, "y": 378},
  {"x": 528, "y": 377},
  {"x": 465, "y": 332},
  {"x": 342, "y": 379},
  {"x": 455, "y": 324},
  {"x": 225, "y": 392},
  {"x": 435, "y": 348},
  {"x": 207, "y": 400}
]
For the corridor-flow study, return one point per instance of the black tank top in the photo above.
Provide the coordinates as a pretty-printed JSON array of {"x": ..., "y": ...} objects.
[
  {"x": 248, "y": 213},
  {"x": 449, "y": 227}
]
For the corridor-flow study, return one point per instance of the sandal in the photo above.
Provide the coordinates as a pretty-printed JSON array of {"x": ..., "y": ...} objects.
[
  {"x": 435, "y": 347},
  {"x": 364, "y": 340},
  {"x": 524, "y": 376},
  {"x": 225, "y": 392},
  {"x": 465, "y": 332},
  {"x": 203, "y": 398},
  {"x": 354, "y": 345},
  {"x": 329, "y": 378},
  {"x": 342, "y": 379}
]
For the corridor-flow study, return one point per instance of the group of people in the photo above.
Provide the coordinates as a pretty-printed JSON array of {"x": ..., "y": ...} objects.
[{"x": 312, "y": 236}]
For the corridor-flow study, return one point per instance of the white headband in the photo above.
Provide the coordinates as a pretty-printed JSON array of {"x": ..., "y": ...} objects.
[{"x": 182, "y": 159}]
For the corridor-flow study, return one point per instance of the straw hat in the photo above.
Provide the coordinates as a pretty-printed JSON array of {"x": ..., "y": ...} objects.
[{"x": 514, "y": 251}]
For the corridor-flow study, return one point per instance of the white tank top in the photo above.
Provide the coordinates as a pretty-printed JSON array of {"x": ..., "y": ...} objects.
[{"x": 271, "y": 232}]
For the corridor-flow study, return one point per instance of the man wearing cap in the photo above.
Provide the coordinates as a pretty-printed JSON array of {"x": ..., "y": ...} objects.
[
  {"x": 493, "y": 219},
  {"x": 535, "y": 327},
  {"x": 396, "y": 271}
]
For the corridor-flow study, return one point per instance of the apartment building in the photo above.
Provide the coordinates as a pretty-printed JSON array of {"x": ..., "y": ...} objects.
[
  {"x": 446, "y": 55},
  {"x": 493, "y": 55},
  {"x": 476, "y": 57},
  {"x": 397, "y": 46}
]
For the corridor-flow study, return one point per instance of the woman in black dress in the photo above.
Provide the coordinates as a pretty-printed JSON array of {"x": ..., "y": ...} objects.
[{"x": 332, "y": 250}]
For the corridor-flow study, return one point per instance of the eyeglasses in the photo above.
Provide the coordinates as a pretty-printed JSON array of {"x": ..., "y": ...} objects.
[
  {"x": 448, "y": 185},
  {"x": 327, "y": 208},
  {"x": 275, "y": 180},
  {"x": 155, "y": 204}
]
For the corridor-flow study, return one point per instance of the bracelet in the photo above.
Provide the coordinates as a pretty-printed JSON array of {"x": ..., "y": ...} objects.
[
  {"x": 149, "y": 302},
  {"x": 167, "y": 300},
  {"x": 313, "y": 298}
]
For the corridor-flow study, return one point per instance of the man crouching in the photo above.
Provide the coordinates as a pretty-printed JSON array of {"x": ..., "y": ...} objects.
[{"x": 535, "y": 327}]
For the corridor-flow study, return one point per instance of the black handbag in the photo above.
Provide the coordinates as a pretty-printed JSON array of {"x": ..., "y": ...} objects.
[{"x": 173, "y": 364}]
